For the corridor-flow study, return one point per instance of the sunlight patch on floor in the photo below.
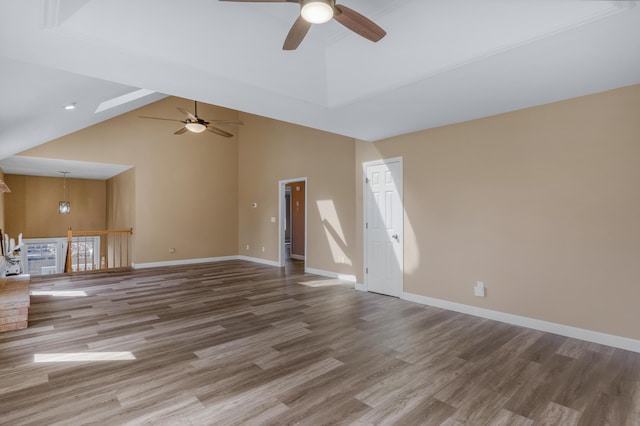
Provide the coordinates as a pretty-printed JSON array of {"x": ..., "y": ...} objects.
[
  {"x": 326, "y": 283},
  {"x": 59, "y": 293},
  {"x": 83, "y": 357}
]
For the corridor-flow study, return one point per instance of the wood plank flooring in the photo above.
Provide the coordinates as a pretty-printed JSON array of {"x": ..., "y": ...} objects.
[{"x": 240, "y": 343}]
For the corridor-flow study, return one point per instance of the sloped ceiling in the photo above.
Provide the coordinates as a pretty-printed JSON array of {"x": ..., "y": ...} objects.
[{"x": 442, "y": 61}]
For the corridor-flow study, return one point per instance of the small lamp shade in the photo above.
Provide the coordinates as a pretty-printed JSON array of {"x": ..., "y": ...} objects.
[{"x": 195, "y": 127}]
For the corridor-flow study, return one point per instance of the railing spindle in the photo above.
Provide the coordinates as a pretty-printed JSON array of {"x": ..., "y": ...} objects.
[{"x": 117, "y": 257}]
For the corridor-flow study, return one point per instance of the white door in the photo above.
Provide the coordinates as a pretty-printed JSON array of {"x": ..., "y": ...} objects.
[{"x": 384, "y": 215}]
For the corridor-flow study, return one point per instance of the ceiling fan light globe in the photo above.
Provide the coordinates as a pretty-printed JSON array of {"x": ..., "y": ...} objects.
[
  {"x": 195, "y": 127},
  {"x": 316, "y": 11}
]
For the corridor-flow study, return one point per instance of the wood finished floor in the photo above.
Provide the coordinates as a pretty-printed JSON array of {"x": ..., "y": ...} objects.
[{"x": 240, "y": 343}]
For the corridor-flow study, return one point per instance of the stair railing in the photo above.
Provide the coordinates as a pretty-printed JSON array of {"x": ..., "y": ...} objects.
[{"x": 89, "y": 251}]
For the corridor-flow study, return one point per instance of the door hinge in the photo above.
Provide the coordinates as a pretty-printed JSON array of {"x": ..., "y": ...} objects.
[
  {"x": 366, "y": 225},
  {"x": 366, "y": 180},
  {"x": 366, "y": 270}
]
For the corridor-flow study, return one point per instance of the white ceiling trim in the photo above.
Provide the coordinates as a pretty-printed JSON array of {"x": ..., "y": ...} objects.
[
  {"x": 124, "y": 99},
  {"x": 56, "y": 12},
  {"x": 414, "y": 71},
  {"x": 35, "y": 166}
]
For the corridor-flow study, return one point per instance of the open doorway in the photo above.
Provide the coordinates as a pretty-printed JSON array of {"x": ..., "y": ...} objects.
[{"x": 293, "y": 222}]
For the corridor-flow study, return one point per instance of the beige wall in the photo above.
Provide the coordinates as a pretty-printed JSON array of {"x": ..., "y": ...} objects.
[
  {"x": 298, "y": 208},
  {"x": 15, "y": 206},
  {"x": 121, "y": 201},
  {"x": 542, "y": 205},
  {"x": 271, "y": 151},
  {"x": 119, "y": 248},
  {"x": 188, "y": 193},
  {"x": 185, "y": 185},
  {"x": 32, "y": 206}
]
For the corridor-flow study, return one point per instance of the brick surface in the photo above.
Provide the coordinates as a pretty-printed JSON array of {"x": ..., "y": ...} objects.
[
  {"x": 8, "y": 327},
  {"x": 15, "y": 318},
  {"x": 9, "y": 312},
  {"x": 14, "y": 302}
]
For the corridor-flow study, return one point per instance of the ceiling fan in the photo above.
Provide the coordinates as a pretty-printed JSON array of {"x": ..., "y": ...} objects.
[
  {"x": 195, "y": 124},
  {"x": 321, "y": 11}
]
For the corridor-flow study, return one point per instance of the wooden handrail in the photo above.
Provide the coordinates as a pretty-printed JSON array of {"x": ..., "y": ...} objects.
[
  {"x": 105, "y": 259},
  {"x": 110, "y": 231}
]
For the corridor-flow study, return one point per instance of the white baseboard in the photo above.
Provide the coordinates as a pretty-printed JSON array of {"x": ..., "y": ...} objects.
[
  {"x": 258, "y": 260},
  {"x": 360, "y": 287},
  {"x": 182, "y": 262},
  {"x": 549, "y": 327},
  {"x": 203, "y": 260},
  {"x": 345, "y": 277},
  {"x": 296, "y": 256},
  {"x": 350, "y": 278}
]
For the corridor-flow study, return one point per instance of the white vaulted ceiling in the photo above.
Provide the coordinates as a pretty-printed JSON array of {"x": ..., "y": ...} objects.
[{"x": 442, "y": 61}]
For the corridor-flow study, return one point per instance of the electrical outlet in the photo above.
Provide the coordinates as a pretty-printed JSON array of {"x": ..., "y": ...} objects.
[
  {"x": 478, "y": 290},
  {"x": 263, "y": 250},
  {"x": 172, "y": 250},
  {"x": 247, "y": 246}
]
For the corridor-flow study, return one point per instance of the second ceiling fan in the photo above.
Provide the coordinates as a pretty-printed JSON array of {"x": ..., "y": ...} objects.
[
  {"x": 195, "y": 124},
  {"x": 319, "y": 12}
]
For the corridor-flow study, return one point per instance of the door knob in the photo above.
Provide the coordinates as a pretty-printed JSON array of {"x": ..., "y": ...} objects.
[{"x": 395, "y": 237}]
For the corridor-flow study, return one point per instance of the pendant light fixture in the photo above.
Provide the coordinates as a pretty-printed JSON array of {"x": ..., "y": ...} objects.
[{"x": 64, "y": 206}]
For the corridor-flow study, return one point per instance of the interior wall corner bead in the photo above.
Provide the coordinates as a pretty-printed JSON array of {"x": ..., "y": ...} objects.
[{"x": 4, "y": 187}]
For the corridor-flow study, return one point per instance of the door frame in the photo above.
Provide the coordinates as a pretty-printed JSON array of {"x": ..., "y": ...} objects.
[
  {"x": 400, "y": 188},
  {"x": 288, "y": 211},
  {"x": 282, "y": 218}
]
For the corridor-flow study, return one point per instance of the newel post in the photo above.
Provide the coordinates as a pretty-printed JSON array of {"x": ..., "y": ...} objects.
[{"x": 67, "y": 266}]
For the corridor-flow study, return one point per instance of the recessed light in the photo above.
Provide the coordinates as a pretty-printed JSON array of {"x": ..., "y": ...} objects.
[{"x": 70, "y": 106}]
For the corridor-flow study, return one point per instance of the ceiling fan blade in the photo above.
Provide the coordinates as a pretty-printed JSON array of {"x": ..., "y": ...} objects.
[
  {"x": 219, "y": 132},
  {"x": 227, "y": 122},
  {"x": 180, "y": 131},
  {"x": 188, "y": 114},
  {"x": 358, "y": 23},
  {"x": 158, "y": 118},
  {"x": 296, "y": 34}
]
